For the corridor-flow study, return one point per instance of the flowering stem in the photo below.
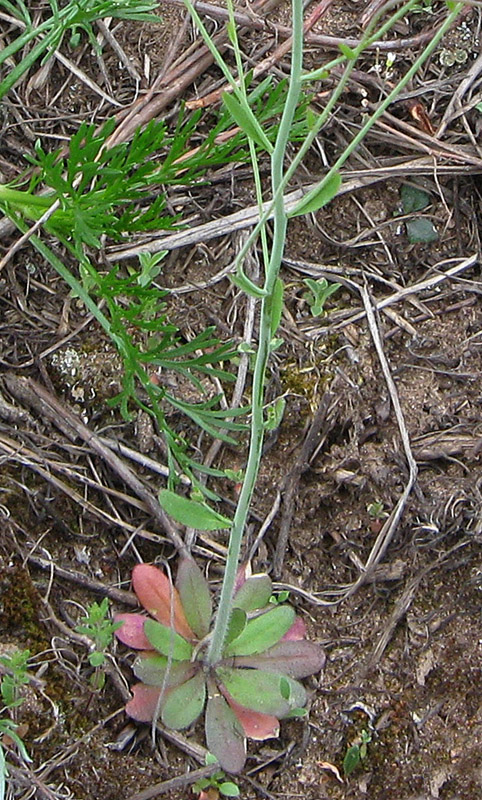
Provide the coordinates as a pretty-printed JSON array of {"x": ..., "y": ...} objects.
[{"x": 264, "y": 339}]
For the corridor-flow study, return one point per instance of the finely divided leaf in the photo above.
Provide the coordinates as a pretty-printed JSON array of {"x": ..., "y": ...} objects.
[
  {"x": 224, "y": 735},
  {"x": 295, "y": 659},
  {"x": 254, "y": 593},
  {"x": 262, "y": 691},
  {"x": 184, "y": 704},
  {"x": 195, "y": 596},
  {"x": 166, "y": 641},
  {"x": 262, "y": 632}
]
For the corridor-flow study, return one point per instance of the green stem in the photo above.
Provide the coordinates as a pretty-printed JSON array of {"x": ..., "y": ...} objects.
[{"x": 257, "y": 422}]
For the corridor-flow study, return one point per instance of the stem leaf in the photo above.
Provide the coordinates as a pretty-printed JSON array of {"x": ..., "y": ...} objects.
[
  {"x": 245, "y": 119},
  {"x": 318, "y": 197},
  {"x": 190, "y": 513}
]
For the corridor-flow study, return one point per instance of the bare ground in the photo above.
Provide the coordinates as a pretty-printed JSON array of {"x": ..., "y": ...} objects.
[{"x": 385, "y": 568}]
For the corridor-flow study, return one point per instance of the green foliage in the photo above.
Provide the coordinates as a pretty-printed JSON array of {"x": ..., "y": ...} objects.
[
  {"x": 75, "y": 16},
  {"x": 356, "y": 753},
  {"x": 321, "y": 290},
  {"x": 14, "y": 672},
  {"x": 217, "y": 781},
  {"x": 419, "y": 229},
  {"x": 98, "y": 627}
]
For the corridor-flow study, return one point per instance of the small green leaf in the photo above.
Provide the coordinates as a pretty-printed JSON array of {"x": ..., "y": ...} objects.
[
  {"x": 421, "y": 229},
  {"x": 321, "y": 291},
  {"x": 184, "y": 704},
  {"x": 192, "y": 514},
  {"x": 245, "y": 119},
  {"x": 96, "y": 659},
  {"x": 195, "y": 596},
  {"x": 351, "y": 760},
  {"x": 166, "y": 641},
  {"x": 413, "y": 199},
  {"x": 237, "y": 624},
  {"x": 210, "y": 758},
  {"x": 276, "y": 305},
  {"x": 275, "y": 414},
  {"x": 318, "y": 197},
  {"x": 262, "y": 632},
  {"x": 285, "y": 689},
  {"x": 229, "y": 789},
  {"x": 254, "y": 593},
  {"x": 296, "y": 713},
  {"x": 347, "y": 51}
]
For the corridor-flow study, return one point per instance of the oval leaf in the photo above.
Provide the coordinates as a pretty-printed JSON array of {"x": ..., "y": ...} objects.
[
  {"x": 224, "y": 735},
  {"x": 156, "y": 594},
  {"x": 237, "y": 624},
  {"x": 262, "y": 632},
  {"x": 184, "y": 704},
  {"x": 151, "y": 670},
  {"x": 166, "y": 641},
  {"x": 192, "y": 514},
  {"x": 254, "y": 593},
  {"x": 255, "y": 725},
  {"x": 261, "y": 691},
  {"x": 195, "y": 596},
  {"x": 132, "y": 631},
  {"x": 143, "y": 705},
  {"x": 318, "y": 197},
  {"x": 297, "y": 659}
]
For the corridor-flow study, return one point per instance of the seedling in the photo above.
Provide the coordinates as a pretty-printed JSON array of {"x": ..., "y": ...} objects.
[
  {"x": 210, "y": 788},
  {"x": 253, "y": 684},
  {"x": 321, "y": 290},
  {"x": 14, "y": 676},
  {"x": 356, "y": 753},
  {"x": 100, "y": 629}
]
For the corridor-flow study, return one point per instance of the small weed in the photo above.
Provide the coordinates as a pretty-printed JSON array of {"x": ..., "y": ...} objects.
[
  {"x": 319, "y": 293},
  {"x": 356, "y": 753},
  {"x": 14, "y": 676},
  {"x": 100, "y": 629},
  {"x": 215, "y": 785}
]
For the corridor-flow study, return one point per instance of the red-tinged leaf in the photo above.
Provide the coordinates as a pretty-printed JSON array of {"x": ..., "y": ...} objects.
[
  {"x": 195, "y": 596},
  {"x": 184, "y": 703},
  {"x": 254, "y": 593},
  {"x": 224, "y": 735},
  {"x": 242, "y": 575},
  {"x": 262, "y": 632},
  {"x": 296, "y": 632},
  {"x": 151, "y": 669},
  {"x": 262, "y": 691},
  {"x": 166, "y": 641},
  {"x": 297, "y": 659},
  {"x": 254, "y": 724},
  {"x": 132, "y": 631},
  {"x": 143, "y": 705},
  {"x": 156, "y": 594}
]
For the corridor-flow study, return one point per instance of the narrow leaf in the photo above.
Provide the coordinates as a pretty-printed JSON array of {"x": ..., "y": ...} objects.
[
  {"x": 244, "y": 117},
  {"x": 224, "y": 735},
  {"x": 261, "y": 691},
  {"x": 166, "y": 641},
  {"x": 318, "y": 197},
  {"x": 347, "y": 51},
  {"x": 254, "y": 593},
  {"x": 297, "y": 659},
  {"x": 195, "y": 596},
  {"x": 262, "y": 632},
  {"x": 190, "y": 513},
  {"x": 246, "y": 285},
  {"x": 276, "y": 305},
  {"x": 184, "y": 704}
]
